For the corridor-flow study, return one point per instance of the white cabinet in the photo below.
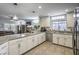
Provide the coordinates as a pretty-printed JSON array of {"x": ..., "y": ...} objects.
[
  {"x": 23, "y": 45},
  {"x": 4, "y": 49},
  {"x": 70, "y": 19},
  {"x": 43, "y": 37},
  {"x": 62, "y": 39},
  {"x": 30, "y": 44},
  {"x": 13, "y": 47},
  {"x": 35, "y": 41},
  {"x": 68, "y": 41},
  {"x": 55, "y": 39}
]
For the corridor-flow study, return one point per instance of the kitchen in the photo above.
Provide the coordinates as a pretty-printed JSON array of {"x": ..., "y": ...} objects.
[{"x": 39, "y": 28}]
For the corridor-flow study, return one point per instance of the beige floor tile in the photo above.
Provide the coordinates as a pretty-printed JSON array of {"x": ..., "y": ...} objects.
[{"x": 48, "y": 48}]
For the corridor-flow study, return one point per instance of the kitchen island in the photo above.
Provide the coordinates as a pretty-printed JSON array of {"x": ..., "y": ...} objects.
[{"x": 20, "y": 43}]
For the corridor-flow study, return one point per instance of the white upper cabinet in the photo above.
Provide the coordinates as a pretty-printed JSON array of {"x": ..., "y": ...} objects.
[{"x": 70, "y": 19}]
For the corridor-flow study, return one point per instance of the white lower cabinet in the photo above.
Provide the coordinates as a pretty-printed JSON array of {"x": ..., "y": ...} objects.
[
  {"x": 22, "y": 45},
  {"x": 68, "y": 41},
  {"x": 13, "y": 47},
  {"x": 55, "y": 39},
  {"x": 30, "y": 43},
  {"x": 35, "y": 40},
  {"x": 62, "y": 39},
  {"x": 43, "y": 37},
  {"x": 4, "y": 49}
]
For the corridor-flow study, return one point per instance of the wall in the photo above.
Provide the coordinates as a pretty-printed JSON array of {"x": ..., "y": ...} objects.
[{"x": 44, "y": 21}]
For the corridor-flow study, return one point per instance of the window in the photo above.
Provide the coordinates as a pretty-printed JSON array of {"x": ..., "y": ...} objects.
[{"x": 58, "y": 23}]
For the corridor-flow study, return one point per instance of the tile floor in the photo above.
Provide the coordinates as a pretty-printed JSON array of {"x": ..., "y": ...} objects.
[{"x": 48, "y": 48}]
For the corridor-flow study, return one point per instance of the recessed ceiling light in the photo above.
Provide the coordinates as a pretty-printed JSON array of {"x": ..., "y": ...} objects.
[
  {"x": 39, "y": 7},
  {"x": 66, "y": 10}
]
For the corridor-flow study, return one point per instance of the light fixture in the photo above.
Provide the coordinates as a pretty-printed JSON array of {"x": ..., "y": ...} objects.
[
  {"x": 15, "y": 17},
  {"x": 39, "y": 7},
  {"x": 35, "y": 21},
  {"x": 66, "y": 10}
]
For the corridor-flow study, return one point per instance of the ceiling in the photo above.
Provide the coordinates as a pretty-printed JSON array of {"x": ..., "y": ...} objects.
[{"x": 24, "y": 10}]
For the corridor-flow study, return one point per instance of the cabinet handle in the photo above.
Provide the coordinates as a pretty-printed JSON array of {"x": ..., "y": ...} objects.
[{"x": 19, "y": 45}]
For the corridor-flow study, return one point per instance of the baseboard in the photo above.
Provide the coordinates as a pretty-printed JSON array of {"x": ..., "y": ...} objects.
[{"x": 62, "y": 45}]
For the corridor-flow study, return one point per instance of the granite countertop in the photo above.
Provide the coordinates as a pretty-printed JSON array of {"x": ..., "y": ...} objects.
[
  {"x": 59, "y": 32},
  {"x": 7, "y": 38}
]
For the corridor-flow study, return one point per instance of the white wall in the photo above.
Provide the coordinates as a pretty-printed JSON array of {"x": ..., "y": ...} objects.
[{"x": 44, "y": 21}]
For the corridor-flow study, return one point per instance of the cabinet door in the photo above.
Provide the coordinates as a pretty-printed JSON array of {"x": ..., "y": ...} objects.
[
  {"x": 30, "y": 42},
  {"x": 61, "y": 39},
  {"x": 23, "y": 45},
  {"x": 68, "y": 42},
  {"x": 55, "y": 39},
  {"x": 39, "y": 39},
  {"x": 36, "y": 40},
  {"x": 4, "y": 49},
  {"x": 13, "y": 47},
  {"x": 43, "y": 37}
]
